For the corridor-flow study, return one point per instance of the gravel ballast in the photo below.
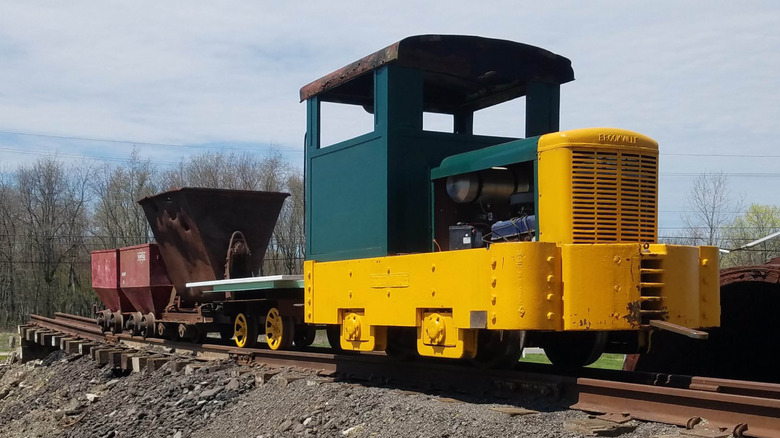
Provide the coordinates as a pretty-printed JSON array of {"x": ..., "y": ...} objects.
[{"x": 68, "y": 396}]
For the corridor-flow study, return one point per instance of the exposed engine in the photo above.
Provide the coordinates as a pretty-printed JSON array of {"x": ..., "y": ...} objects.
[{"x": 503, "y": 207}]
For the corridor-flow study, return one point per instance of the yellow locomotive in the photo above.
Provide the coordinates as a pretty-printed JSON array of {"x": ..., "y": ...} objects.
[{"x": 468, "y": 246}]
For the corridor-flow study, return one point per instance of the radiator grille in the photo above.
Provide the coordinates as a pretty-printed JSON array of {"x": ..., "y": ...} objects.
[{"x": 614, "y": 196}]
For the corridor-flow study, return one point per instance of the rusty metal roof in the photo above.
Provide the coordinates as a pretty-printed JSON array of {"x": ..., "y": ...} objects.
[{"x": 460, "y": 72}]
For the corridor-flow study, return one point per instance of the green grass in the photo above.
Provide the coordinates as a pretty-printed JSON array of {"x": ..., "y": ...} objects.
[
  {"x": 606, "y": 361},
  {"x": 5, "y": 339}
]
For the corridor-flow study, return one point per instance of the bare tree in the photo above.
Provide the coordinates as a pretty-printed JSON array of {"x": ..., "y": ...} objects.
[
  {"x": 710, "y": 208},
  {"x": 229, "y": 171},
  {"x": 9, "y": 252},
  {"x": 48, "y": 220},
  {"x": 53, "y": 201},
  {"x": 288, "y": 238},
  {"x": 250, "y": 172},
  {"x": 118, "y": 220}
]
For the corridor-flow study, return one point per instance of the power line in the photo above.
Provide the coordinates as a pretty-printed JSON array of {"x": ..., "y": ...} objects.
[
  {"x": 695, "y": 211},
  {"x": 720, "y": 155},
  {"x": 734, "y": 174},
  {"x": 66, "y": 155},
  {"x": 144, "y": 143},
  {"x": 725, "y": 227}
]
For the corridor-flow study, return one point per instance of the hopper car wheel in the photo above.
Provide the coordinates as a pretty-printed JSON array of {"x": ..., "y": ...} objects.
[
  {"x": 133, "y": 324},
  {"x": 279, "y": 330},
  {"x": 147, "y": 325},
  {"x": 245, "y": 331},
  {"x": 334, "y": 336},
  {"x": 574, "y": 349},
  {"x": 102, "y": 320},
  {"x": 499, "y": 349},
  {"x": 304, "y": 335},
  {"x": 116, "y": 323}
]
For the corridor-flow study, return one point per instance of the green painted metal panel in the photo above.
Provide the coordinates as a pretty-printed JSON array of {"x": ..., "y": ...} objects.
[
  {"x": 370, "y": 196},
  {"x": 536, "y": 195},
  {"x": 517, "y": 151},
  {"x": 542, "y": 108},
  {"x": 311, "y": 144},
  {"x": 348, "y": 202},
  {"x": 260, "y": 285}
]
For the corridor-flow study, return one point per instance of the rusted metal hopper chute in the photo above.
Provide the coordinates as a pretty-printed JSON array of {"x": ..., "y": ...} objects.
[{"x": 195, "y": 228}]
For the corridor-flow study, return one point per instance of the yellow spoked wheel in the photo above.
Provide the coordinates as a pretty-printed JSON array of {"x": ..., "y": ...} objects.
[
  {"x": 279, "y": 330},
  {"x": 244, "y": 331}
]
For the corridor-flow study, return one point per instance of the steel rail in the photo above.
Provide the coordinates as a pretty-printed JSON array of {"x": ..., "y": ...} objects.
[
  {"x": 69, "y": 326},
  {"x": 741, "y": 414},
  {"x": 744, "y": 408}
]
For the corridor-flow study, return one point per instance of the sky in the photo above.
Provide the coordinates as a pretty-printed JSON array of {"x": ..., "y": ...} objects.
[{"x": 172, "y": 79}]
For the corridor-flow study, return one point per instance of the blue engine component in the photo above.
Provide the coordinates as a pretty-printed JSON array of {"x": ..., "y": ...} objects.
[{"x": 515, "y": 227}]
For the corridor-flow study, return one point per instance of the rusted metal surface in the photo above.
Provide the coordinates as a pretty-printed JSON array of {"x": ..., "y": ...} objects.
[
  {"x": 459, "y": 72},
  {"x": 144, "y": 280},
  {"x": 746, "y": 415},
  {"x": 193, "y": 229},
  {"x": 767, "y": 273},
  {"x": 680, "y": 330},
  {"x": 72, "y": 326},
  {"x": 105, "y": 280}
]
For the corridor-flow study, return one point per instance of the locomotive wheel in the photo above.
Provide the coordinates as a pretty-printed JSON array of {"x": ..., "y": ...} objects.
[
  {"x": 574, "y": 349},
  {"x": 304, "y": 335},
  {"x": 279, "y": 330},
  {"x": 146, "y": 328},
  {"x": 499, "y": 349},
  {"x": 245, "y": 331},
  {"x": 334, "y": 336},
  {"x": 401, "y": 342}
]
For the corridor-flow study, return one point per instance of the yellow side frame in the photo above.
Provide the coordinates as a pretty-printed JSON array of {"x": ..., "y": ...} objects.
[{"x": 510, "y": 286}]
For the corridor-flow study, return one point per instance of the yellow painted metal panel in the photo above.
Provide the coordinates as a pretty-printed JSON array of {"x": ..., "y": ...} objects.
[
  {"x": 597, "y": 186},
  {"x": 516, "y": 284},
  {"x": 601, "y": 287},
  {"x": 680, "y": 283},
  {"x": 605, "y": 137},
  {"x": 555, "y": 201},
  {"x": 308, "y": 302},
  {"x": 709, "y": 286},
  {"x": 357, "y": 335},
  {"x": 513, "y": 286},
  {"x": 438, "y": 337}
]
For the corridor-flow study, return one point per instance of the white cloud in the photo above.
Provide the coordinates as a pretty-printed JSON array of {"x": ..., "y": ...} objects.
[{"x": 698, "y": 77}]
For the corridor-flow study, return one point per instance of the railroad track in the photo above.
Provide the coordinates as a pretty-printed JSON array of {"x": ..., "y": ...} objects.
[{"x": 741, "y": 408}]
